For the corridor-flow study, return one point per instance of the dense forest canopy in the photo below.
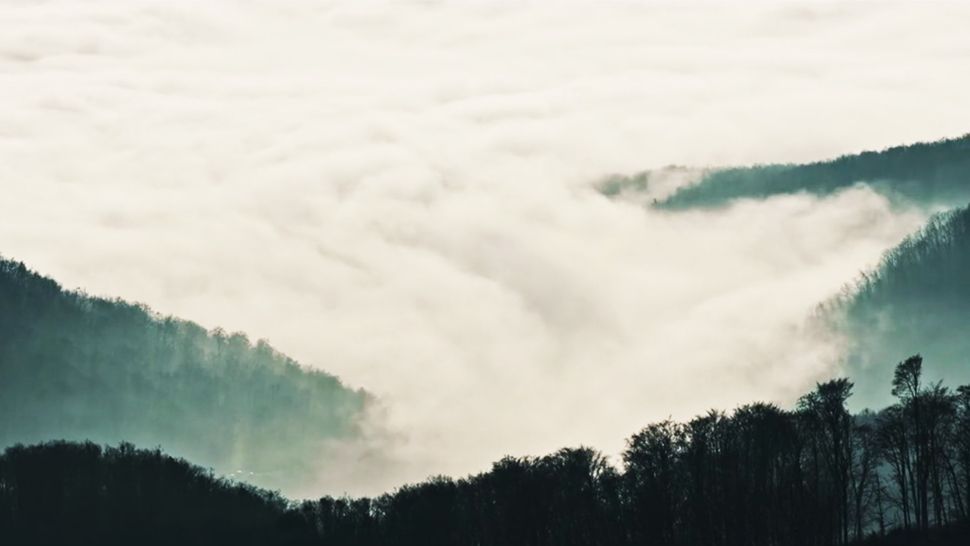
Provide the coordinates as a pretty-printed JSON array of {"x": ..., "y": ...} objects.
[
  {"x": 80, "y": 493},
  {"x": 917, "y": 299},
  {"x": 931, "y": 173},
  {"x": 85, "y": 368},
  {"x": 761, "y": 475}
]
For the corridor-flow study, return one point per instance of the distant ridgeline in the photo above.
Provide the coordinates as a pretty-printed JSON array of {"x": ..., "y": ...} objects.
[
  {"x": 931, "y": 173},
  {"x": 78, "y": 367},
  {"x": 917, "y": 299}
]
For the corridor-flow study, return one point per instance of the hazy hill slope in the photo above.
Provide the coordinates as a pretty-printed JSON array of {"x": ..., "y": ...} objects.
[
  {"x": 916, "y": 300},
  {"x": 78, "y": 367},
  {"x": 927, "y": 173}
]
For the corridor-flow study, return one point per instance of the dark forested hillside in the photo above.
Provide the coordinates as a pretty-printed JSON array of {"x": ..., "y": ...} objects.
[
  {"x": 918, "y": 298},
  {"x": 927, "y": 173},
  {"x": 78, "y": 367},
  {"x": 79, "y": 493},
  {"x": 760, "y": 476}
]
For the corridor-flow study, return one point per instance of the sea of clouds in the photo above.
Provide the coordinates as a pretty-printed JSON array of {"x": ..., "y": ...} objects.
[{"x": 403, "y": 194}]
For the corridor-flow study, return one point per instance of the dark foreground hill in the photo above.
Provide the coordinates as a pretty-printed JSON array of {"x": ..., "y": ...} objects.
[
  {"x": 78, "y": 367},
  {"x": 79, "y": 493},
  {"x": 917, "y": 299},
  {"x": 760, "y": 476},
  {"x": 931, "y": 173}
]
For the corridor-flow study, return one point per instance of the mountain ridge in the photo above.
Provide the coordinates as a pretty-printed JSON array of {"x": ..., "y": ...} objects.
[{"x": 928, "y": 173}]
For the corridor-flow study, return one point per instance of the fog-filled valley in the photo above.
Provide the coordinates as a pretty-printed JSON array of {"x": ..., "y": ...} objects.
[
  {"x": 442, "y": 241},
  {"x": 439, "y": 260},
  {"x": 86, "y": 368}
]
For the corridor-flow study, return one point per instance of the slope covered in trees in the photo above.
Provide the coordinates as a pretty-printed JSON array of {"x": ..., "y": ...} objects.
[
  {"x": 762, "y": 475},
  {"x": 84, "y": 368},
  {"x": 918, "y": 298},
  {"x": 931, "y": 173},
  {"x": 79, "y": 493}
]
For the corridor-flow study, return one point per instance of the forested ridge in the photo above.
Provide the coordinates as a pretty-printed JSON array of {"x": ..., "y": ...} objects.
[
  {"x": 81, "y": 493},
  {"x": 929, "y": 173},
  {"x": 761, "y": 475},
  {"x": 916, "y": 299},
  {"x": 79, "y": 367}
]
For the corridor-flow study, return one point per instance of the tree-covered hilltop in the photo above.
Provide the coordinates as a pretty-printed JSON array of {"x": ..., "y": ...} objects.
[
  {"x": 84, "y": 368},
  {"x": 918, "y": 298},
  {"x": 759, "y": 476},
  {"x": 930, "y": 173},
  {"x": 80, "y": 493}
]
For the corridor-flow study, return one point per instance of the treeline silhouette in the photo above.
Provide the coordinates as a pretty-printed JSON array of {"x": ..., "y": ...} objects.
[
  {"x": 79, "y": 493},
  {"x": 762, "y": 475},
  {"x": 79, "y": 367},
  {"x": 930, "y": 173},
  {"x": 918, "y": 298}
]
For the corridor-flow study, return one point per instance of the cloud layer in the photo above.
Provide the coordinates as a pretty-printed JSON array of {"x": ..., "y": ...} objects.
[{"x": 402, "y": 194}]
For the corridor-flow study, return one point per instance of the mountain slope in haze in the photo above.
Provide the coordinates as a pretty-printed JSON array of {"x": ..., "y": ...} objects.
[
  {"x": 931, "y": 173},
  {"x": 85, "y": 368},
  {"x": 916, "y": 301}
]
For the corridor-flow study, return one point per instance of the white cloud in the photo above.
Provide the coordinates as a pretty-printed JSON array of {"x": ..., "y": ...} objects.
[{"x": 400, "y": 193}]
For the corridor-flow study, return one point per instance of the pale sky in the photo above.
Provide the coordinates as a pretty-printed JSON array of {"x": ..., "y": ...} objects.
[{"x": 401, "y": 193}]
